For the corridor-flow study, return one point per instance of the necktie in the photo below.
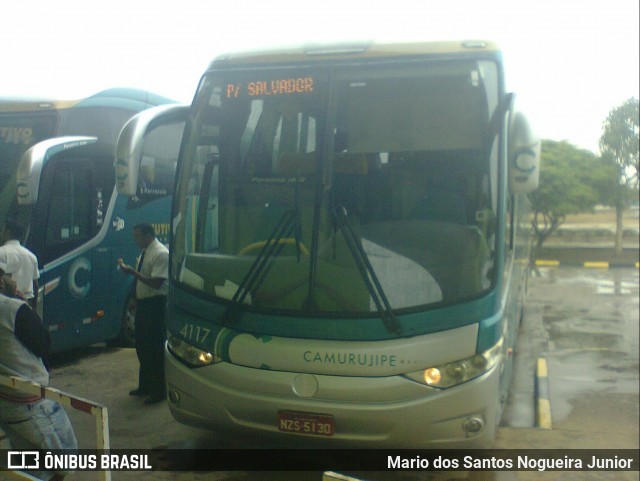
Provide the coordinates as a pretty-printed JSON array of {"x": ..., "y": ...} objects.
[
  {"x": 138, "y": 268},
  {"x": 140, "y": 261}
]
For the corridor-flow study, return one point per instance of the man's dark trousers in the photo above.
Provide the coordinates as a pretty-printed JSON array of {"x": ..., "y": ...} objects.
[{"x": 150, "y": 337}]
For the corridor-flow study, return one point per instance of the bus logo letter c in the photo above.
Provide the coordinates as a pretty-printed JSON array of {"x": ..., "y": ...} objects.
[{"x": 80, "y": 277}]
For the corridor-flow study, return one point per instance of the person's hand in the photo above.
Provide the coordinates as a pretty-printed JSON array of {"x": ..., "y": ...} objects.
[{"x": 125, "y": 268}]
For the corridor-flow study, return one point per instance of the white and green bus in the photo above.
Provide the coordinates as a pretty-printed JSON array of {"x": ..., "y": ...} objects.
[{"x": 349, "y": 246}]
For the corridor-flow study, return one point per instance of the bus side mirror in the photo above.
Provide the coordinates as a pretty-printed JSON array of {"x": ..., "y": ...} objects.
[
  {"x": 131, "y": 142},
  {"x": 523, "y": 156},
  {"x": 128, "y": 148}
]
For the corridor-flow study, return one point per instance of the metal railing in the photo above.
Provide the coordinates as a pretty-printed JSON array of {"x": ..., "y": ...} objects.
[{"x": 98, "y": 411}]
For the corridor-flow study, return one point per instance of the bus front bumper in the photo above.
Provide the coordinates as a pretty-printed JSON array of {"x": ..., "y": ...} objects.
[{"x": 366, "y": 411}]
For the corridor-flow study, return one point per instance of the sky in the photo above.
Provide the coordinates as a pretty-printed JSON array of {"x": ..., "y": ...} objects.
[{"x": 568, "y": 61}]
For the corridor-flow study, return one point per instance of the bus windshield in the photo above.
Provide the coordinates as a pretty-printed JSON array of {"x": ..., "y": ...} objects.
[
  {"x": 368, "y": 190},
  {"x": 18, "y": 132},
  {"x": 21, "y": 129}
]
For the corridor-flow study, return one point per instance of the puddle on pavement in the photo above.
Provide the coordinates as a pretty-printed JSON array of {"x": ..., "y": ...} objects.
[
  {"x": 579, "y": 374},
  {"x": 591, "y": 318}
]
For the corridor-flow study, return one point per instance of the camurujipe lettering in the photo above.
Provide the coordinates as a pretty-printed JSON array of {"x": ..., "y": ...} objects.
[{"x": 350, "y": 358}]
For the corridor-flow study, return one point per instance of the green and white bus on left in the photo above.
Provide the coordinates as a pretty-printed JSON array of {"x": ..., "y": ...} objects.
[
  {"x": 57, "y": 179},
  {"x": 350, "y": 245}
]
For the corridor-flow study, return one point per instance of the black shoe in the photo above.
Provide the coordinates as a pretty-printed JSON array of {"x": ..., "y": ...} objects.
[
  {"x": 138, "y": 392},
  {"x": 154, "y": 399}
]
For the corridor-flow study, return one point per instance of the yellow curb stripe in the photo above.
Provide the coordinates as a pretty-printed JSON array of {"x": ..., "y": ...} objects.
[
  {"x": 544, "y": 414},
  {"x": 597, "y": 265},
  {"x": 546, "y": 263},
  {"x": 543, "y": 404},
  {"x": 588, "y": 264},
  {"x": 541, "y": 368}
]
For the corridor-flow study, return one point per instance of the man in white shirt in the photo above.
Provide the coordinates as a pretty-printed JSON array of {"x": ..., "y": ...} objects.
[
  {"x": 27, "y": 273},
  {"x": 151, "y": 277}
]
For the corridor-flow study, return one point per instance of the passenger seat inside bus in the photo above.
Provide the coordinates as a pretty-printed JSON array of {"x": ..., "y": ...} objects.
[{"x": 443, "y": 205}]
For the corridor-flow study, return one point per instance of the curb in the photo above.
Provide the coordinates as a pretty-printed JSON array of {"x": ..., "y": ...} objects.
[
  {"x": 541, "y": 392},
  {"x": 588, "y": 265}
]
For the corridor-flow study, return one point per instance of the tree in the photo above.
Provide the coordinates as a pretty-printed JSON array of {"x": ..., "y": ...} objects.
[
  {"x": 619, "y": 145},
  {"x": 572, "y": 180}
]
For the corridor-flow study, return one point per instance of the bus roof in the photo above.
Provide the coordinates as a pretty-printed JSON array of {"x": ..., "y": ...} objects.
[
  {"x": 126, "y": 98},
  {"x": 342, "y": 51},
  {"x": 32, "y": 104},
  {"x": 132, "y": 99}
]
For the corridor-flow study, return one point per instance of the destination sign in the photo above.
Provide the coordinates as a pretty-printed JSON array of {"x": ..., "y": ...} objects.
[{"x": 259, "y": 88}]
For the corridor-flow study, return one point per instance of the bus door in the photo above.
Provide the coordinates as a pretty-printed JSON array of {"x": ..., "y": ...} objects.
[{"x": 68, "y": 213}]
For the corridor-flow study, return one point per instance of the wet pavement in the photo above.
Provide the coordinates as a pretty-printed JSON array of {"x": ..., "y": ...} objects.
[
  {"x": 584, "y": 322},
  {"x": 591, "y": 321}
]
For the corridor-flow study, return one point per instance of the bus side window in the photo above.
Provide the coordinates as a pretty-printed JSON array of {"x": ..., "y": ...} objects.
[
  {"x": 71, "y": 209},
  {"x": 208, "y": 210}
]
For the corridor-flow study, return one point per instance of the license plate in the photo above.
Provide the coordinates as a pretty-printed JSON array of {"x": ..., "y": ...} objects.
[{"x": 306, "y": 423}]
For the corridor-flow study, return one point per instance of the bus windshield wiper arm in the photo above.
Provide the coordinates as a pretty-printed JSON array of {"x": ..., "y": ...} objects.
[
  {"x": 260, "y": 267},
  {"x": 366, "y": 271}
]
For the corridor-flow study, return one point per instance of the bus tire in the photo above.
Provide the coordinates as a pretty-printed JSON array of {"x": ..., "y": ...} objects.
[{"x": 127, "y": 335}]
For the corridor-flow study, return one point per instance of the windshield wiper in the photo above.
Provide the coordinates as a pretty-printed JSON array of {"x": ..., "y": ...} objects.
[
  {"x": 263, "y": 262},
  {"x": 367, "y": 272}
]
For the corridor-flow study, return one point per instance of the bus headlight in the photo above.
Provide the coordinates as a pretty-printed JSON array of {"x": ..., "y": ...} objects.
[
  {"x": 188, "y": 354},
  {"x": 456, "y": 372}
]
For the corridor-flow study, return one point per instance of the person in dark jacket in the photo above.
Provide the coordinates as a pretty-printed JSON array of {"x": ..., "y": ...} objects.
[{"x": 30, "y": 422}]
